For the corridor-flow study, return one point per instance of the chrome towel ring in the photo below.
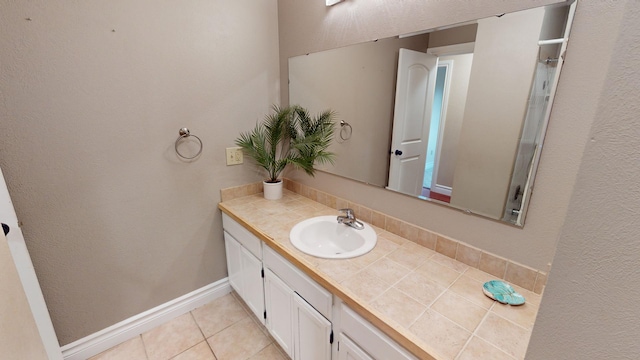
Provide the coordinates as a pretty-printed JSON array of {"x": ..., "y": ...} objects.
[
  {"x": 345, "y": 128},
  {"x": 185, "y": 133}
]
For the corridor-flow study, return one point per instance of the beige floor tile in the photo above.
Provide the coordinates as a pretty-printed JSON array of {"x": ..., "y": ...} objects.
[
  {"x": 523, "y": 315},
  {"x": 162, "y": 343},
  {"x": 420, "y": 288},
  {"x": 439, "y": 273},
  {"x": 471, "y": 290},
  {"x": 239, "y": 341},
  {"x": 365, "y": 286},
  {"x": 387, "y": 270},
  {"x": 399, "y": 307},
  {"x": 444, "y": 336},
  {"x": 130, "y": 350},
  {"x": 479, "y": 349},
  {"x": 505, "y": 335},
  {"x": 271, "y": 352},
  {"x": 252, "y": 316},
  {"x": 338, "y": 269},
  {"x": 218, "y": 314},
  {"x": 198, "y": 352},
  {"x": 462, "y": 311}
]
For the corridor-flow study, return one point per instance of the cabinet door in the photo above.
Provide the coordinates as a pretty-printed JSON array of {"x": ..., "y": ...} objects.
[
  {"x": 348, "y": 350},
  {"x": 252, "y": 285},
  {"x": 278, "y": 298},
  {"x": 311, "y": 332},
  {"x": 234, "y": 264}
]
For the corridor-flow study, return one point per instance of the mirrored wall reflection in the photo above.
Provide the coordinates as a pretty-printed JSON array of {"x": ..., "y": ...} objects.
[{"x": 456, "y": 115}]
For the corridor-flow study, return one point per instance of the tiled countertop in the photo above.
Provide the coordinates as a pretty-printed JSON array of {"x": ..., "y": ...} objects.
[{"x": 431, "y": 304}]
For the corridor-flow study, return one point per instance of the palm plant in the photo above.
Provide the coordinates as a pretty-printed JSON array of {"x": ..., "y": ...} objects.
[{"x": 290, "y": 135}]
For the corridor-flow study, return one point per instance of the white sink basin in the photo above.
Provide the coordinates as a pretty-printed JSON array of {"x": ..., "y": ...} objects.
[{"x": 323, "y": 237}]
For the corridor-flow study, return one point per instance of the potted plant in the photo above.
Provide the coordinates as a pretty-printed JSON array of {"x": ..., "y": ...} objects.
[{"x": 289, "y": 135}]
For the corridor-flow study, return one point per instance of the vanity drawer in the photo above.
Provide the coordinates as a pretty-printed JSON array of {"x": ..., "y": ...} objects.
[
  {"x": 302, "y": 284},
  {"x": 242, "y": 235},
  {"x": 370, "y": 338}
]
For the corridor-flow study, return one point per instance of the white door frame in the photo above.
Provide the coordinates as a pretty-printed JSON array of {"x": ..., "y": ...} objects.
[
  {"x": 441, "y": 189},
  {"x": 456, "y": 49}
]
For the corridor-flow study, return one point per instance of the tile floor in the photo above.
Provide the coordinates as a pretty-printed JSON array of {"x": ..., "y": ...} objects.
[{"x": 220, "y": 330}]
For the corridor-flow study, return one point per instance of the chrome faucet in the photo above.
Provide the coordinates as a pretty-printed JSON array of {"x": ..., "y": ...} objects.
[{"x": 349, "y": 219}]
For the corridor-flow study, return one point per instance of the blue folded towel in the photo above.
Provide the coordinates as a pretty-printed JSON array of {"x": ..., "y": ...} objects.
[{"x": 502, "y": 292}]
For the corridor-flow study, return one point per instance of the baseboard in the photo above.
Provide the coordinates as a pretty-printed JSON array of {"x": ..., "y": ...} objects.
[
  {"x": 113, "y": 335},
  {"x": 441, "y": 189}
]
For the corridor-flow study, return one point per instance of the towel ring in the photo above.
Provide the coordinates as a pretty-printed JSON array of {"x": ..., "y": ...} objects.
[
  {"x": 343, "y": 128},
  {"x": 185, "y": 133}
]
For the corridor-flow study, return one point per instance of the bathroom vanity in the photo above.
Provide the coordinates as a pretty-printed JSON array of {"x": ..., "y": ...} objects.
[
  {"x": 376, "y": 306},
  {"x": 297, "y": 311}
]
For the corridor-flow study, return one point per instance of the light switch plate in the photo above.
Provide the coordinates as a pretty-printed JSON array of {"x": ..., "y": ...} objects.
[
  {"x": 234, "y": 156},
  {"x": 333, "y": 2}
]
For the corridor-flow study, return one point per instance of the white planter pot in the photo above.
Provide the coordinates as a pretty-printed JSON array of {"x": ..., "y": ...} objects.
[{"x": 272, "y": 191}]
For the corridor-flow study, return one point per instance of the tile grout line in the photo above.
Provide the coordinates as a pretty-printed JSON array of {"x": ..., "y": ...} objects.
[
  {"x": 144, "y": 346},
  {"x": 392, "y": 285},
  {"x": 473, "y": 333},
  {"x": 203, "y": 335},
  {"x": 434, "y": 301},
  {"x": 257, "y": 322},
  {"x": 484, "y": 319}
]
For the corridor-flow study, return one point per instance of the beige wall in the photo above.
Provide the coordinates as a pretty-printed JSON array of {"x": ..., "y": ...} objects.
[
  {"x": 116, "y": 225},
  {"x": 92, "y": 95},
  {"x": 590, "y": 307},
  {"x": 19, "y": 336},
  {"x": 504, "y": 61},
  {"x": 358, "y": 82},
  {"x": 459, "y": 84},
  {"x": 306, "y": 27},
  {"x": 455, "y": 35}
]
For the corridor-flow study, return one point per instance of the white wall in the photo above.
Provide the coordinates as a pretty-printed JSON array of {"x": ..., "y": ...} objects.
[
  {"x": 92, "y": 95},
  {"x": 590, "y": 307}
]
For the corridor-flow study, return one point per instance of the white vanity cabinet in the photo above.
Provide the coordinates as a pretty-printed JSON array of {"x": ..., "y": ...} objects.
[
  {"x": 360, "y": 340},
  {"x": 295, "y": 309},
  {"x": 312, "y": 335},
  {"x": 244, "y": 264},
  {"x": 277, "y": 296},
  {"x": 348, "y": 350},
  {"x": 298, "y": 310}
]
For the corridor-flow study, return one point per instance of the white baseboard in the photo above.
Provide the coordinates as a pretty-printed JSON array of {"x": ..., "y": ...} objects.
[
  {"x": 118, "y": 333},
  {"x": 441, "y": 189}
]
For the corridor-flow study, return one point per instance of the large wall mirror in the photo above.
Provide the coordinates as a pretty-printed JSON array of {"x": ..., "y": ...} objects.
[{"x": 455, "y": 115}]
